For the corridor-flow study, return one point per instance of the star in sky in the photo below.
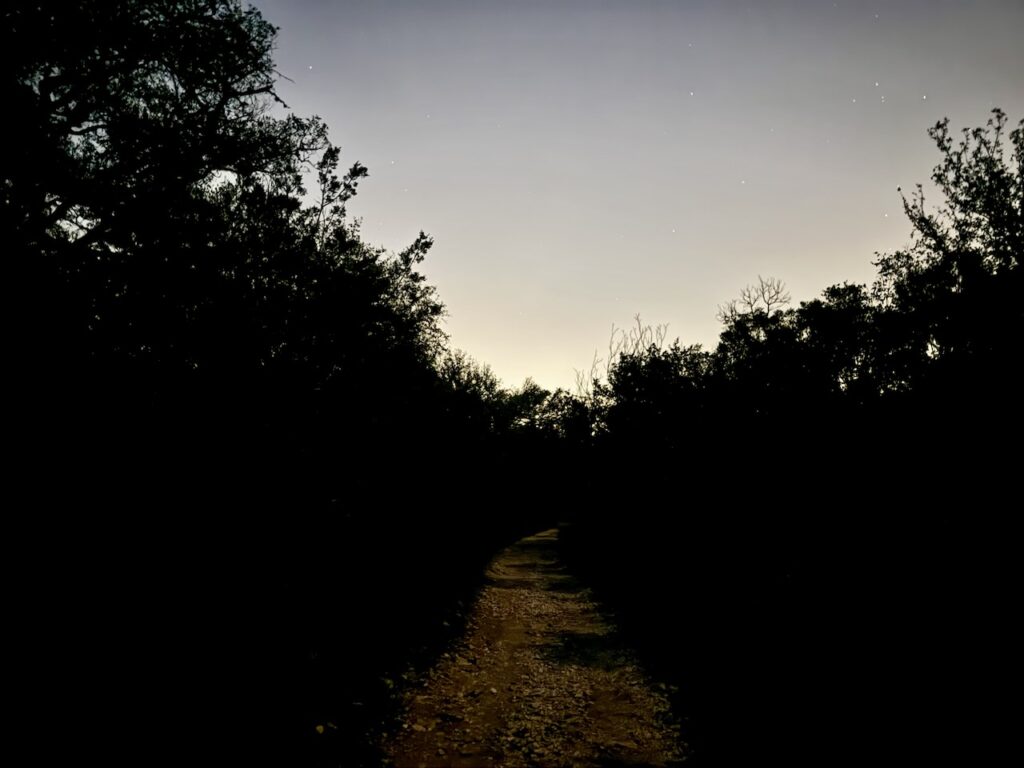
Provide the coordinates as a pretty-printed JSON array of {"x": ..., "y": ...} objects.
[{"x": 399, "y": 79}]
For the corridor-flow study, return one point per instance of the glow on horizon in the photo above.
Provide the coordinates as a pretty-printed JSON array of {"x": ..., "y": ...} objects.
[{"x": 581, "y": 162}]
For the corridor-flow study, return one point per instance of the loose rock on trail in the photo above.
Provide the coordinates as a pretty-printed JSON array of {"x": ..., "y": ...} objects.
[{"x": 540, "y": 678}]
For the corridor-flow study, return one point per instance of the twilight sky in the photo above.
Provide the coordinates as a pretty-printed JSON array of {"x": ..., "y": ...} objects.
[{"x": 582, "y": 161}]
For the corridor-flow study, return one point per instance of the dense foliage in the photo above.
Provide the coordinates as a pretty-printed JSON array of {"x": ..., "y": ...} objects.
[
  {"x": 238, "y": 410},
  {"x": 272, "y": 478},
  {"x": 938, "y": 332},
  {"x": 820, "y": 501}
]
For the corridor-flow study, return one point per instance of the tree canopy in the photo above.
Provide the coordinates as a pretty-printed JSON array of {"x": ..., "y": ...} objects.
[
  {"x": 929, "y": 350},
  {"x": 207, "y": 341},
  {"x": 172, "y": 256}
]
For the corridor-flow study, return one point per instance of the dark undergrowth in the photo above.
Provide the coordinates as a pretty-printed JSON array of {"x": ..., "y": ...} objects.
[{"x": 816, "y": 628}]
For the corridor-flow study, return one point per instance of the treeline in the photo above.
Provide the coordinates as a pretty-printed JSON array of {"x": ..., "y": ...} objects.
[
  {"x": 930, "y": 348},
  {"x": 807, "y": 528},
  {"x": 260, "y": 480}
]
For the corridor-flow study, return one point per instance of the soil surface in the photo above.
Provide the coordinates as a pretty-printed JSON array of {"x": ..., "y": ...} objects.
[{"x": 540, "y": 678}]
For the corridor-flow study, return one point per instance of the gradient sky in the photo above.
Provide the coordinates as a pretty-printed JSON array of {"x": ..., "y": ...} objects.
[{"x": 582, "y": 161}]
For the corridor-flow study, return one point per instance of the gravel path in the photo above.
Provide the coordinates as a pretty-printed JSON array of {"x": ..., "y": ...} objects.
[{"x": 540, "y": 679}]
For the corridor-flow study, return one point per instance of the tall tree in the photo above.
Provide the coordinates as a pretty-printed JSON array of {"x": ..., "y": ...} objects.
[
  {"x": 954, "y": 317},
  {"x": 129, "y": 114},
  {"x": 157, "y": 212}
]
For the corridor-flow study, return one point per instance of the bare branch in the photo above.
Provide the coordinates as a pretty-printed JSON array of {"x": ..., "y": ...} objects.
[{"x": 768, "y": 295}]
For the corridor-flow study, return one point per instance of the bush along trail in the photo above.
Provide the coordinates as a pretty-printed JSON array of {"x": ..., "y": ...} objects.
[{"x": 541, "y": 677}]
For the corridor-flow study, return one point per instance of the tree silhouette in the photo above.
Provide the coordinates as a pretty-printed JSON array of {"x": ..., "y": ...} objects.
[
  {"x": 851, "y": 453},
  {"x": 131, "y": 116},
  {"x": 840, "y": 344},
  {"x": 218, "y": 361},
  {"x": 769, "y": 294},
  {"x": 157, "y": 206},
  {"x": 212, "y": 353},
  {"x": 952, "y": 299}
]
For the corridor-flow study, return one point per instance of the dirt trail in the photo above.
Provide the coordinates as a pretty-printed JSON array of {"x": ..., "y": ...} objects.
[{"x": 539, "y": 679}]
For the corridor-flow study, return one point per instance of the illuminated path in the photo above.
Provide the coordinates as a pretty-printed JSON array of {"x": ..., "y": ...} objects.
[{"x": 540, "y": 678}]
